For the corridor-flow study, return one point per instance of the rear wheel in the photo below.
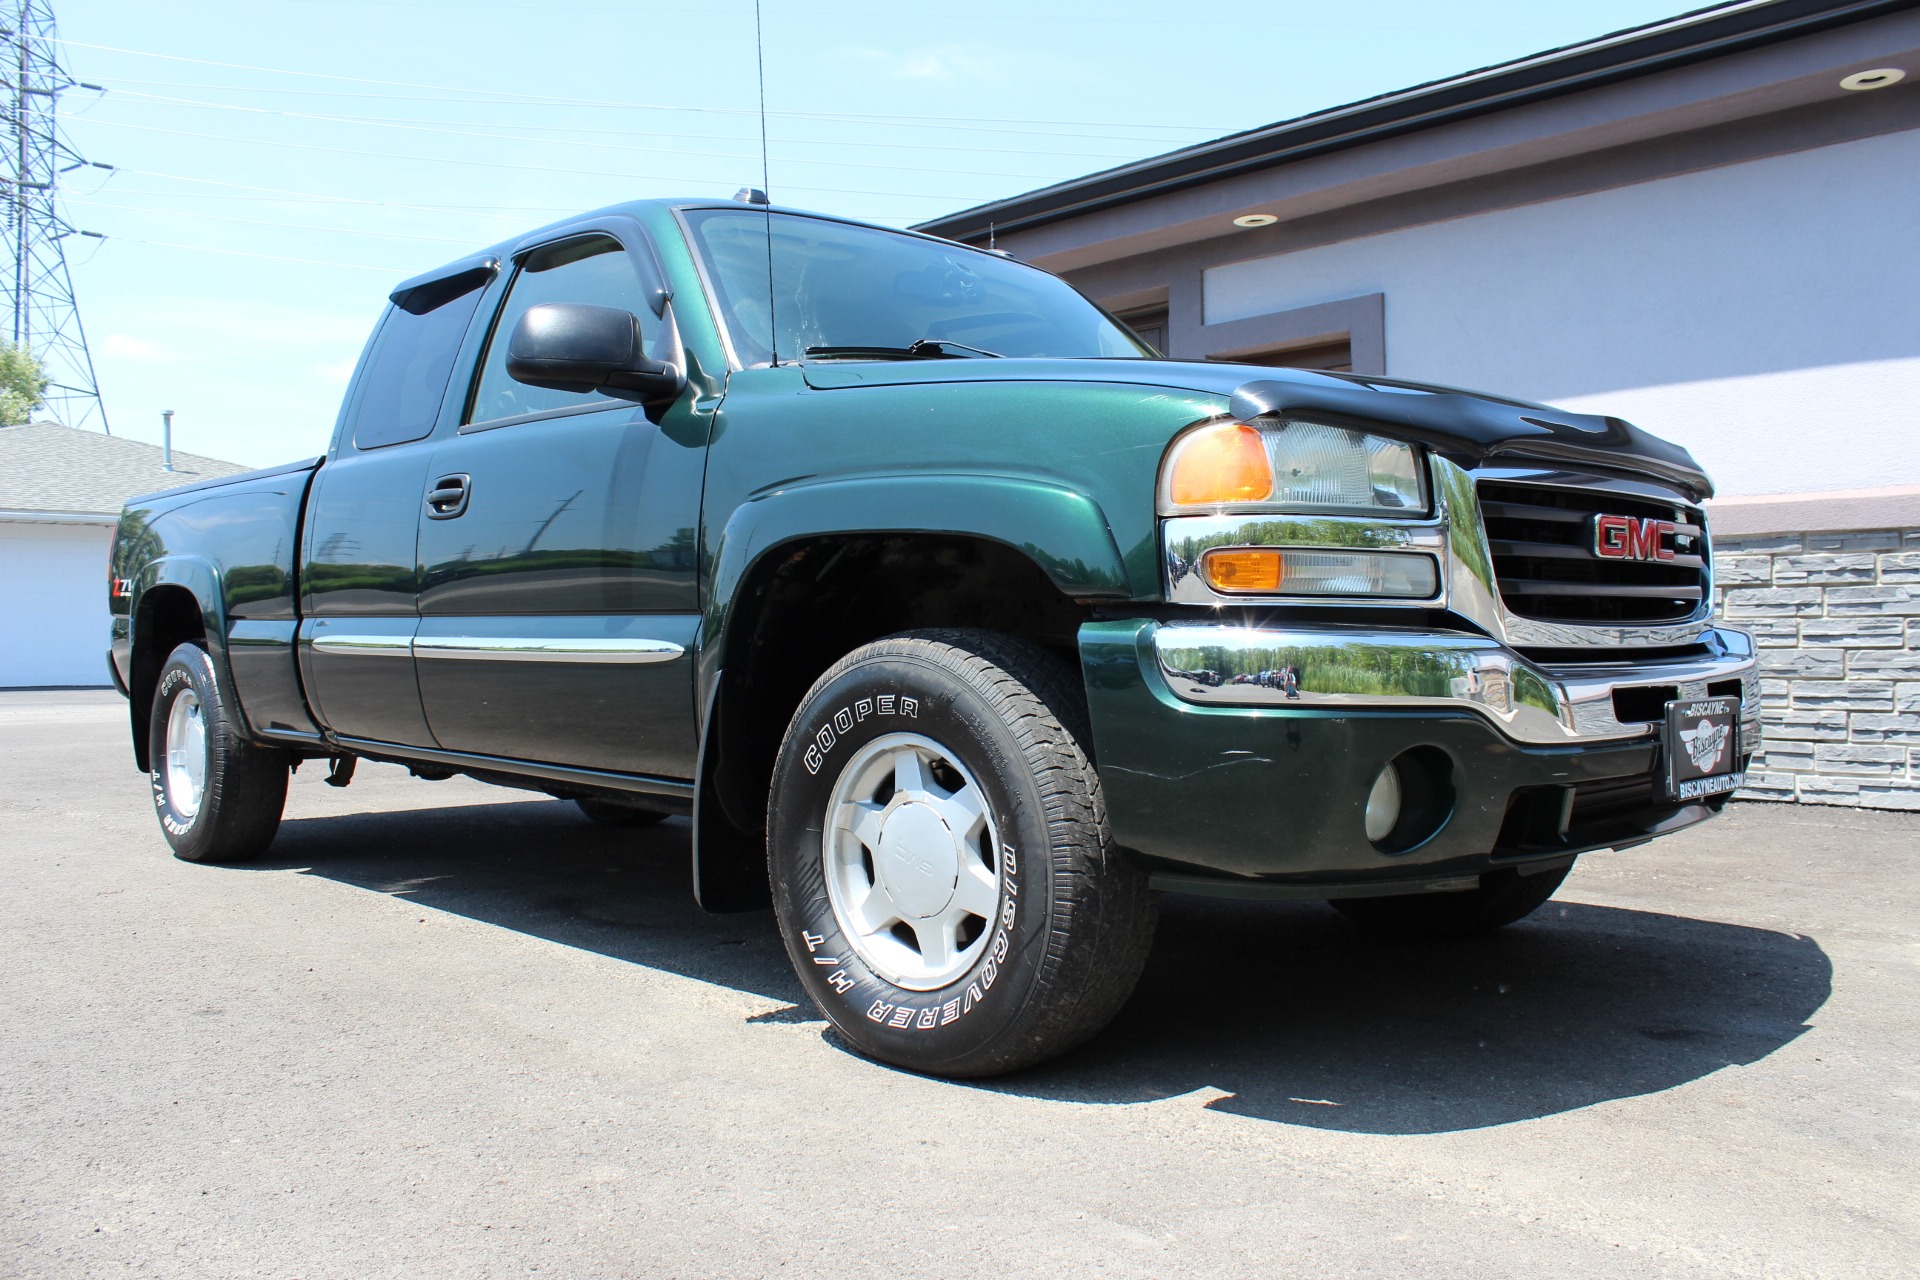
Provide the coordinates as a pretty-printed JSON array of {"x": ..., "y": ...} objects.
[
  {"x": 1503, "y": 897},
  {"x": 940, "y": 858},
  {"x": 218, "y": 796},
  {"x": 611, "y": 813}
]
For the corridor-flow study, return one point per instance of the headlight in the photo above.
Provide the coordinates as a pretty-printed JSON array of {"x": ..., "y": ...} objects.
[{"x": 1290, "y": 466}]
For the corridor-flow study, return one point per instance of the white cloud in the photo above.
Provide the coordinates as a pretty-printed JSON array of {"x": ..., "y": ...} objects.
[
  {"x": 128, "y": 347},
  {"x": 957, "y": 63},
  {"x": 217, "y": 361},
  {"x": 336, "y": 372}
]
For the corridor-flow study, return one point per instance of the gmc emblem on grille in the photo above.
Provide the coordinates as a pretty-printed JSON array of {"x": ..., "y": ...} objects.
[{"x": 1625, "y": 538}]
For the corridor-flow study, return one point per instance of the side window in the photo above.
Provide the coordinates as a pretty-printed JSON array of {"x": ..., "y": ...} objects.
[
  {"x": 593, "y": 269},
  {"x": 413, "y": 353}
]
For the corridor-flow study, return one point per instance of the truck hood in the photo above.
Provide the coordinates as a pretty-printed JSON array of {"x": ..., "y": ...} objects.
[{"x": 1467, "y": 425}]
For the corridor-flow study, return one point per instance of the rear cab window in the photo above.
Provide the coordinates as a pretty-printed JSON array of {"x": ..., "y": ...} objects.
[{"x": 411, "y": 361}]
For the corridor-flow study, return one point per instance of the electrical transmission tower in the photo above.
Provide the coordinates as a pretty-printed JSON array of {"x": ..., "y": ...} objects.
[{"x": 38, "y": 286}]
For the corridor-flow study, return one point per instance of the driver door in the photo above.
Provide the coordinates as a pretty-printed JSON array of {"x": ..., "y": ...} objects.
[{"x": 558, "y": 603}]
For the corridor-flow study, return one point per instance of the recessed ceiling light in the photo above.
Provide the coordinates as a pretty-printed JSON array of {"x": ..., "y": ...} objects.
[
  {"x": 1255, "y": 220},
  {"x": 1878, "y": 78}
]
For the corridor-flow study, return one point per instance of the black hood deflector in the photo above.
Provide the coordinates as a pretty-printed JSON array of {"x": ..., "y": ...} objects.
[
  {"x": 1474, "y": 426},
  {"x": 1467, "y": 425}
]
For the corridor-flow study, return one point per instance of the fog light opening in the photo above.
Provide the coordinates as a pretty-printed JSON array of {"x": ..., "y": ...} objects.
[
  {"x": 1383, "y": 803},
  {"x": 1410, "y": 801}
]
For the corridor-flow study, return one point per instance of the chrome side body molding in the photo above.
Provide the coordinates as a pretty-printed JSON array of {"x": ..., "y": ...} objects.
[
  {"x": 371, "y": 646},
  {"x": 494, "y": 649},
  {"x": 499, "y": 649}
]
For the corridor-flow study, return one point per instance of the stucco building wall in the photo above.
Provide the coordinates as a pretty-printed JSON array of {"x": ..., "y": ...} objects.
[{"x": 1759, "y": 313}]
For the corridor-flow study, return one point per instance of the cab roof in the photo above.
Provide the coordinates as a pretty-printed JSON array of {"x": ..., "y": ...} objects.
[{"x": 493, "y": 255}]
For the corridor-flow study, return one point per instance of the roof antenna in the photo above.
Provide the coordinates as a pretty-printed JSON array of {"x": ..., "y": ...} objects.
[
  {"x": 991, "y": 243},
  {"x": 766, "y": 184}
]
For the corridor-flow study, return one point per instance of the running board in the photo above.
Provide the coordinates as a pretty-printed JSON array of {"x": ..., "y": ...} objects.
[{"x": 674, "y": 795}]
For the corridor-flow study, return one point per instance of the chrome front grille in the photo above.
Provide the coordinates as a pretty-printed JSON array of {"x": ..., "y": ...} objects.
[{"x": 1542, "y": 542}]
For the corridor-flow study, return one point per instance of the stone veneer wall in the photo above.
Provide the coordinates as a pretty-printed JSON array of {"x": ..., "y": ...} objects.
[{"x": 1836, "y": 618}]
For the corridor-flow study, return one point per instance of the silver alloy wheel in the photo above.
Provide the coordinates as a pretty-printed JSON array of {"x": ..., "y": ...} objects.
[
  {"x": 185, "y": 771},
  {"x": 910, "y": 861}
]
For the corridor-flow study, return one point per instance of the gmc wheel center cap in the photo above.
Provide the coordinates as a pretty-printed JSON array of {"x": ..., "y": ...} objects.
[{"x": 918, "y": 859}]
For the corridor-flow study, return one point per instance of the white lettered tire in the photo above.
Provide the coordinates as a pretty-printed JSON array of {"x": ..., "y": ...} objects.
[
  {"x": 940, "y": 860},
  {"x": 218, "y": 796}
]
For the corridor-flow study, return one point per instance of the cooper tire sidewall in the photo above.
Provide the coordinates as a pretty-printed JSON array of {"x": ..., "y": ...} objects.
[
  {"x": 185, "y": 671},
  {"x": 947, "y": 1025}
]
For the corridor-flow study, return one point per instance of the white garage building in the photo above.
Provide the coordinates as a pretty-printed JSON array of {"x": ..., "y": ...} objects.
[{"x": 61, "y": 490}]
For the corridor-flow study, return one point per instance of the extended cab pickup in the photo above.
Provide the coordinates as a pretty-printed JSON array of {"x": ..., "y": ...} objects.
[{"x": 959, "y": 622}]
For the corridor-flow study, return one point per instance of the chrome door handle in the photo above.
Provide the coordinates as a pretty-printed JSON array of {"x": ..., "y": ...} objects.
[{"x": 449, "y": 495}]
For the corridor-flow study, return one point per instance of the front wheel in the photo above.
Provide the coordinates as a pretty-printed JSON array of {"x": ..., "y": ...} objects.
[
  {"x": 1503, "y": 897},
  {"x": 940, "y": 859},
  {"x": 218, "y": 796}
]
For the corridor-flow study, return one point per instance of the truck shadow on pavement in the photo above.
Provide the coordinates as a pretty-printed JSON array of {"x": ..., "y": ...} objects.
[
  {"x": 1286, "y": 1011},
  {"x": 1302, "y": 1018}
]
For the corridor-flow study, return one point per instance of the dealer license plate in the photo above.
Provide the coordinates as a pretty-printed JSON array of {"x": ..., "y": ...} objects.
[{"x": 1703, "y": 747}]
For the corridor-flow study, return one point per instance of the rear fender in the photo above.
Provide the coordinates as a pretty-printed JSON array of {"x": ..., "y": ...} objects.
[{"x": 200, "y": 579}]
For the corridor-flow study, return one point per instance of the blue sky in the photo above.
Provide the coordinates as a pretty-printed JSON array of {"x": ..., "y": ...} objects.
[{"x": 281, "y": 163}]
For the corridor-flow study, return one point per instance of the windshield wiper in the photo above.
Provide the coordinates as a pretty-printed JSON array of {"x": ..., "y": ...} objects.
[{"x": 925, "y": 349}]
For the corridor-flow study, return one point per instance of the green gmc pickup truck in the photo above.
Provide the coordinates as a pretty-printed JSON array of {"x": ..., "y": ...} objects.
[{"x": 959, "y": 622}]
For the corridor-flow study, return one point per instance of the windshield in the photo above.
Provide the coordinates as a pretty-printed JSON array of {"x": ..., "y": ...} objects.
[{"x": 851, "y": 292}]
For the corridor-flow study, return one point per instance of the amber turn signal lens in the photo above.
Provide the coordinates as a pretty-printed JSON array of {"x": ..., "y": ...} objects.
[
  {"x": 1261, "y": 571},
  {"x": 1226, "y": 462}
]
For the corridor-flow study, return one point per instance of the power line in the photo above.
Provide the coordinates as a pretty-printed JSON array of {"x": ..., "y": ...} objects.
[
  {"x": 496, "y": 212},
  {"x": 309, "y": 197},
  {"x": 542, "y": 99},
  {"x": 320, "y": 198},
  {"x": 492, "y": 164},
  {"x": 917, "y": 145},
  {"x": 39, "y": 288},
  {"x": 974, "y": 15},
  {"x": 448, "y": 129},
  {"x": 902, "y": 122},
  {"x": 519, "y": 226},
  {"x": 270, "y": 257},
  {"x": 242, "y": 191},
  {"x": 256, "y": 222}
]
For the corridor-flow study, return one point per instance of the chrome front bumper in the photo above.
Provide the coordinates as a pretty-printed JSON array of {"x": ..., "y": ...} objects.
[{"x": 1378, "y": 669}]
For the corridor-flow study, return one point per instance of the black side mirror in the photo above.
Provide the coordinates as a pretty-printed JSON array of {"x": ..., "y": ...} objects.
[{"x": 573, "y": 346}]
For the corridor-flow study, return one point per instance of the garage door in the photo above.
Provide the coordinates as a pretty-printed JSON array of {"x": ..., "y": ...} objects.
[{"x": 54, "y": 628}]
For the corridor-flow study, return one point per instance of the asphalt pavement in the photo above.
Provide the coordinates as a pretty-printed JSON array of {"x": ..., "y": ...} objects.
[{"x": 450, "y": 1030}]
